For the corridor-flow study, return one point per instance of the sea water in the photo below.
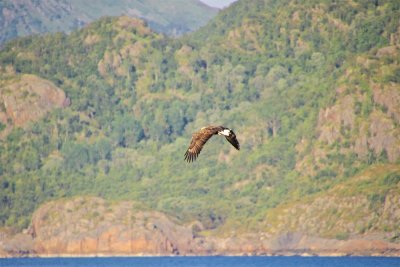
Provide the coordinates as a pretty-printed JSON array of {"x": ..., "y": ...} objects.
[{"x": 217, "y": 261}]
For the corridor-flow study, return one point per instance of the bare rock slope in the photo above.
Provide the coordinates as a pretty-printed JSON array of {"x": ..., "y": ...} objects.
[
  {"x": 28, "y": 98},
  {"x": 92, "y": 226}
]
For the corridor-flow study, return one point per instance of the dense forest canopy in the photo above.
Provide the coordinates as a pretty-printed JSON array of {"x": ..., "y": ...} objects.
[{"x": 268, "y": 69}]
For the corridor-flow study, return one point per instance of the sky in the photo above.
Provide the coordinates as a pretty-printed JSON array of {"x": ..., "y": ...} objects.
[{"x": 218, "y": 3}]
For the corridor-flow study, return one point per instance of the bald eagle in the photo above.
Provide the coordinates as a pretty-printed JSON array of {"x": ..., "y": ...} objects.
[{"x": 201, "y": 137}]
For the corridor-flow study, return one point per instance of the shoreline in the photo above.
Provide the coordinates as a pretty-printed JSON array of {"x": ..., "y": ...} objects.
[{"x": 140, "y": 255}]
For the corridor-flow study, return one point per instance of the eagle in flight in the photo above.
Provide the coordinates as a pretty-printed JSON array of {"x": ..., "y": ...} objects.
[{"x": 201, "y": 137}]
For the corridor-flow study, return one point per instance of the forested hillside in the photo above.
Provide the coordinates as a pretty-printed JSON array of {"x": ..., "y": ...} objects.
[
  {"x": 26, "y": 17},
  {"x": 311, "y": 89}
]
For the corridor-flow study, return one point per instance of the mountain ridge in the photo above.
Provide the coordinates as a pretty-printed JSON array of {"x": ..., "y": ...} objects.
[{"x": 26, "y": 17}]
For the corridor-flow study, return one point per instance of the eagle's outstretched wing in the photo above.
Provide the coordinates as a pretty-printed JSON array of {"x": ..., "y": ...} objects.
[
  {"x": 198, "y": 140},
  {"x": 232, "y": 139}
]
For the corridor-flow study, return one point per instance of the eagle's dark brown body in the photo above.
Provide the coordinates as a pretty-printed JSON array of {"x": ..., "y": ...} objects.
[{"x": 201, "y": 137}]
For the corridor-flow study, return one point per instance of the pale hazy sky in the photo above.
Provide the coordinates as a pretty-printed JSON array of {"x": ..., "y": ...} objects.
[{"x": 218, "y": 3}]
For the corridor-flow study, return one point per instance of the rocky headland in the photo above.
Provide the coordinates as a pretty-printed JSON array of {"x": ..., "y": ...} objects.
[{"x": 91, "y": 226}]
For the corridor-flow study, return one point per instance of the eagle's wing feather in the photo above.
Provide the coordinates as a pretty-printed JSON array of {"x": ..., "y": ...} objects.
[
  {"x": 198, "y": 141},
  {"x": 233, "y": 140}
]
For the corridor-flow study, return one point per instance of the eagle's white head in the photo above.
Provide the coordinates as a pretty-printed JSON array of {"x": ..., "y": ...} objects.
[{"x": 225, "y": 132}]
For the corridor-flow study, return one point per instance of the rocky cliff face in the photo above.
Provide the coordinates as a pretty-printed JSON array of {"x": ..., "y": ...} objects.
[
  {"x": 364, "y": 118},
  {"x": 28, "y": 98},
  {"x": 93, "y": 226}
]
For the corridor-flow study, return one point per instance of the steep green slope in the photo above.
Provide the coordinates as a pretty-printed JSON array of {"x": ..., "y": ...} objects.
[
  {"x": 310, "y": 88},
  {"x": 173, "y": 17}
]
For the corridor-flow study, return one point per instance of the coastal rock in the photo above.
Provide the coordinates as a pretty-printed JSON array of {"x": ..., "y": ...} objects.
[
  {"x": 94, "y": 226},
  {"x": 14, "y": 245},
  {"x": 90, "y": 226}
]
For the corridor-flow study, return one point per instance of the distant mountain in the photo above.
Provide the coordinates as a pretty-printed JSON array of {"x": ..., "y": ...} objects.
[
  {"x": 25, "y": 17},
  {"x": 311, "y": 88},
  {"x": 218, "y": 3}
]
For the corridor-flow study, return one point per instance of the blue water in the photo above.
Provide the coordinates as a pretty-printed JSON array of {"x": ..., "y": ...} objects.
[{"x": 203, "y": 262}]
